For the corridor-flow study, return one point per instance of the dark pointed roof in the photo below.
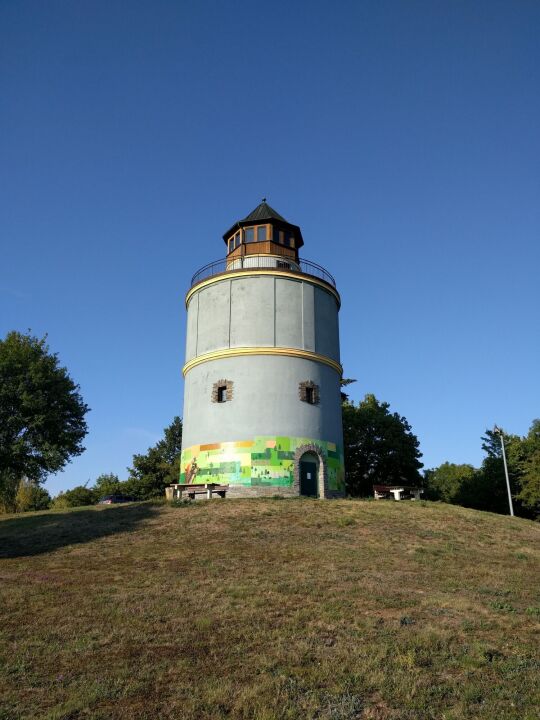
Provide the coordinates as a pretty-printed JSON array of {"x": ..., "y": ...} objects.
[{"x": 264, "y": 213}]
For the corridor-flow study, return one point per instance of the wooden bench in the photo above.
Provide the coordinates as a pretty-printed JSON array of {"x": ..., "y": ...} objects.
[{"x": 177, "y": 491}]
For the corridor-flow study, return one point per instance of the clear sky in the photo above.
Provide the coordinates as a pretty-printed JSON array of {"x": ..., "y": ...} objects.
[{"x": 403, "y": 137}]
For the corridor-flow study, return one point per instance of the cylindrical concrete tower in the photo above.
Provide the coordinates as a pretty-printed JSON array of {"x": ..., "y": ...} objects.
[{"x": 262, "y": 403}]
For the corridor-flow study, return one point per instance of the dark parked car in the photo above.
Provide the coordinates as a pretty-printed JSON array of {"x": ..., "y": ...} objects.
[{"x": 113, "y": 499}]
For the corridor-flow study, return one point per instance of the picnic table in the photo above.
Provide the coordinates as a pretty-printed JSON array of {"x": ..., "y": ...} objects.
[
  {"x": 176, "y": 491},
  {"x": 400, "y": 492}
]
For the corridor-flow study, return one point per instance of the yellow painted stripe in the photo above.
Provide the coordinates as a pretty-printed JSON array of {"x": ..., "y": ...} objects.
[
  {"x": 235, "y": 352},
  {"x": 229, "y": 274}
]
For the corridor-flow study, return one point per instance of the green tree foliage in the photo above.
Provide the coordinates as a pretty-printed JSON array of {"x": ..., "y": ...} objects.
[
  {"x": 482, "y": 489},
  {"x": 529, "y": 494},
  {"x": 30, "y": 496},
  {"x": 149, "y": 476},
  {"x": 108, "y": 484},
  {"x": 485, "y": 488},
  {"x": 344, "y": 382},
  {"x": 76, "y": 497},
  {"x": 159, "y": 467},
  {"x": 42, "y": 414},
  {"x": 490, "y": 491},
  {"x": 448, "y": 482},
  {"x": 380, "y": 447}
]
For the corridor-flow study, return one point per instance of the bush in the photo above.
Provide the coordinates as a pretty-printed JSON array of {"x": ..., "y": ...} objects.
[{"x": 76, "y": 497}]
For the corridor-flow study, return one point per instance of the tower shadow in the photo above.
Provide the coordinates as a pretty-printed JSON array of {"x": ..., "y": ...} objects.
[{"x": 28, "y": 535}]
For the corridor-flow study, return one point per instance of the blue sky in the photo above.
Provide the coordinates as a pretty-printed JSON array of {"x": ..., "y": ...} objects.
[{"x": 403, "y": 137}]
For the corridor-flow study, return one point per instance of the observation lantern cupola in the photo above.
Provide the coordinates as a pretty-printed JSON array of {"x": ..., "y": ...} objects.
[{"x": 263, "y": 232}]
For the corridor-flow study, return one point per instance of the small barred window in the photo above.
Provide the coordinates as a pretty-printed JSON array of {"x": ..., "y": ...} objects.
[
  {"x": 222, "y": 391},
  {"x": 308, "y": 392}
]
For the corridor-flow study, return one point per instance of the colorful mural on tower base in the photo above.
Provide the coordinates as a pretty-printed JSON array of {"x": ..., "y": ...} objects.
[{"x": 263, "y": 461}]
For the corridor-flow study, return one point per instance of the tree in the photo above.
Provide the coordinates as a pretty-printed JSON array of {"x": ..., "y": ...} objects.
[
  {"x": 30, "y": 496},
  {"x": 344, "y": 382},
  {"x": 449, "y": 482},
  {"x": 485, "y": 488},
  {"x": 481, "y": 488},
  {"x": 530, "y": 490},
  {"x": 42, "y": 413},
  {"x": 76, "y": 497},
  {"x": 159, "y": 467},
  {"x": 490, "y": 492},
  {"x": 529, "y": 494},
  {"x": 108, "y": 484},
  {"x": 523, "y": 466},
  {"x": 380, "y": 447}
]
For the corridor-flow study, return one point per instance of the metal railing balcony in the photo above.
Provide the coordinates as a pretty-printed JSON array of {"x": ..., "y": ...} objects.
[{"x": 262, "y": 262}]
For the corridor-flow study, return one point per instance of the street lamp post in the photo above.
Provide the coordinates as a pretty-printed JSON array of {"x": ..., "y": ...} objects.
[{"x": 499, "y": 432}]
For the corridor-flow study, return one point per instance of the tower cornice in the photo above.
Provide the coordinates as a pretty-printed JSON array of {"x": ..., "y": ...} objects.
[
  {"x": 255, "y": 272},
  {"x": 265, "y": 350}
]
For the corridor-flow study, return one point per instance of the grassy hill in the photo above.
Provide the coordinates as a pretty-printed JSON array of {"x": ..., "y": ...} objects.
[{"x": 269, "y": 609}]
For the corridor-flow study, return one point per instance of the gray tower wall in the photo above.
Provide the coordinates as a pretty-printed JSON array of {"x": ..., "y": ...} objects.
[
  {"x": 262, "y": 310},
  {"x": 255, "y": 439},
  {"x": 265, "y": 400}
]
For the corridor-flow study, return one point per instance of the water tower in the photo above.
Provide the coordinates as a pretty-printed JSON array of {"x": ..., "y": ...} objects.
[{"x": 262, "y": 404}]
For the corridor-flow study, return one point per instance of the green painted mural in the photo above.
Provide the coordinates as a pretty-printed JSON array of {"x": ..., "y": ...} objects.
[{"x": 263, "y": 461}]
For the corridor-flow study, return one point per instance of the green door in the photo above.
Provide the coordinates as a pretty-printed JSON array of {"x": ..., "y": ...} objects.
[{"x": 308, "y": 478}]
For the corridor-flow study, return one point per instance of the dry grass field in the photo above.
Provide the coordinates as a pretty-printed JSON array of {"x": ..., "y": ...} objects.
[{"x": 268, "y": 609}]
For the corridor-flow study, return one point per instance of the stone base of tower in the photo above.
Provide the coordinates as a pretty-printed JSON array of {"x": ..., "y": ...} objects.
[
  {"x": 240, "y": 491},
  {"x": 267, "y": 466}
]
